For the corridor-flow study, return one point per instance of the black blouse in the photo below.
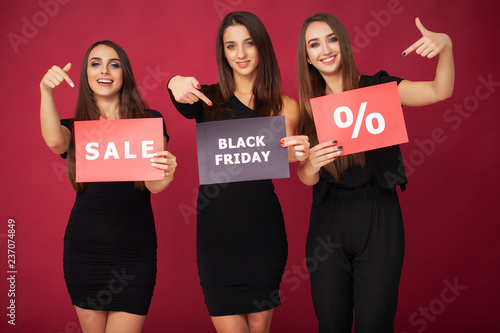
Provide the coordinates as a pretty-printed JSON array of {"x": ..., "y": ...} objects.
[{"x": 384, "y": 167}]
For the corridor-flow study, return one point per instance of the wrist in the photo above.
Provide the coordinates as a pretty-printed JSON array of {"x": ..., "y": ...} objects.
[
  {"x": 45, "y": 89},
  {"x": 308, "y": 169},
  {"x": 173, "y": 78}
]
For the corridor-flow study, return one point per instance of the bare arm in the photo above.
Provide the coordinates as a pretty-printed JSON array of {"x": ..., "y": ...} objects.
[
  {"x": 56, "y": 137},
  {"x": 421, "y": 93}
]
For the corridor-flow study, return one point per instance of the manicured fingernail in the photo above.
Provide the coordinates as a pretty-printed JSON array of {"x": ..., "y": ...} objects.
[
  {"x": 282, "y": 144},
  {"x": 334, "y": 141},
  {"x": 339, "y": 147},
  {"x": 339, "y": 152},
  {"x": 198, "y": 86},
  {"x": 210, "y": 103},
  {"x": 72, "y": 85},
  {"x": 282, "y": 140},
  {"x": 403, "y": 54},
  {"x": 153, "y": 164},
  {"x": 152, "y": 160}
]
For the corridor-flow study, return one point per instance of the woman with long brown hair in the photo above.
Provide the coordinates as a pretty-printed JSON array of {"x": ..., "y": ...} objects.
[
  {"x": 241, "y": 238},
  {"x": 355, "y": 204},
  {"x": 110, "y": 240}
]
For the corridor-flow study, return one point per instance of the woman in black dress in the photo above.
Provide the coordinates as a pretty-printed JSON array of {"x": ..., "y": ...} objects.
[
  {"x": 355, "y": 204},
  {"x": 241, "y": 238},
  {"x": 110, "y": 241}
]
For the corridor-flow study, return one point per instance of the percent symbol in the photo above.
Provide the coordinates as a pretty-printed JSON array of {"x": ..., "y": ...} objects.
[{"x": 337, "y": 117}]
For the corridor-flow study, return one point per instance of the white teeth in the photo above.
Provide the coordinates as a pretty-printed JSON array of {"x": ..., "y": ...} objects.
[
  {"x": 328, "y": 59},
  {"x": 104, "y": 81}
]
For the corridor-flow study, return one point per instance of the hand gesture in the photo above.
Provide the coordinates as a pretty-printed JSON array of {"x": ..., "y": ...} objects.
[
  {"x": 322, "y": 154},
  {"x": 431, "y": 43},
  {"x": 186, "y": 90},
  {"x": 299, "y": 146},
  {"x": 165, "y": 161},
  {"x": 55, "y": 76}
]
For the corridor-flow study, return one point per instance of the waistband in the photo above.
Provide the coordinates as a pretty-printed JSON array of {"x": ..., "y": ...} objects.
[{"x": 356, "y": 192}]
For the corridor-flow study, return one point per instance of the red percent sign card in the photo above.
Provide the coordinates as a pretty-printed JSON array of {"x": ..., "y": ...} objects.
[
  {"x": 117, "y": 150},
  {"x": 361, "y": 119}
]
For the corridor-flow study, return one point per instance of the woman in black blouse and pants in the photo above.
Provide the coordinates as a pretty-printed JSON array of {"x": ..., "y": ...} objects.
[{"x": 355, "y": 243}]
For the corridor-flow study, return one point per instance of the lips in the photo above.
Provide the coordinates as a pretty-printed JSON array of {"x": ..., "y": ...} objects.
[
  {"x": 243, "y": 64},
  {"x": 104, "y": 81},
  {"x": 328, "y": 60}
]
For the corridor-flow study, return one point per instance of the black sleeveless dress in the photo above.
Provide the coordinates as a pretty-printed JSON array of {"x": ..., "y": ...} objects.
[
  {"x": 110, "y": 246},
  {"x": 241, "y": 239}
]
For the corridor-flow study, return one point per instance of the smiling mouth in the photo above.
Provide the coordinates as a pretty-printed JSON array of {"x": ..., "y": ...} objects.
[
  {"x": 330, "y": 59},
  {"x": 104, "y": 81},
  {"x": 243, "y": 63}
]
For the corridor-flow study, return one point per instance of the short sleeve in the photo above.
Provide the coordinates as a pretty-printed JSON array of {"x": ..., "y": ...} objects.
[
  {"x": 379, "y": 78},
  {"x": 68, "y": 123}
]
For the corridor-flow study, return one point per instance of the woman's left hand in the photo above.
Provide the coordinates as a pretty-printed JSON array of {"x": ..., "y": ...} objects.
[
  {"x": 431, "y": 44},
  {"x": 298, "y": 146},
  {"x": 166, "y": 161}
]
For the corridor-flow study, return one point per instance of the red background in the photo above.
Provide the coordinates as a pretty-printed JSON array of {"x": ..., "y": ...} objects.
[{"x": 450, "y": 208}]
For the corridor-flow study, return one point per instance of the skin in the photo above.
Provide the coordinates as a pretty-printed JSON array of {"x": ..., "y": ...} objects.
[
  {"x": 322, "y": 45},
  {"x": 103, "y": 66},
  {"x": 242, "y": 56}
]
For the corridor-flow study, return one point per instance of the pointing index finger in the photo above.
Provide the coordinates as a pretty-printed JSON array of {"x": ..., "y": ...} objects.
[
  {"x": 204, "y": 98},
  {"x": 413, "y": 47},
  {"x": 417, "y": 44},
  {"x": 65, "y": 70}
]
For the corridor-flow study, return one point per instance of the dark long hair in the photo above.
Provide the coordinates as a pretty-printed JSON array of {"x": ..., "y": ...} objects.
[
  {"x": 267, "y": 86},
  {"x": 311, "y": 84},
  {"x": 132, "y": 105}
]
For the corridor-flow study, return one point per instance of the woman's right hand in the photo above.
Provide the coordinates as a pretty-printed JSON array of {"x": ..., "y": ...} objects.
[
  {"x": 320, "y": 155},
  {"x": 186, "y": 90},
  {"x": 55, "y": 76}
]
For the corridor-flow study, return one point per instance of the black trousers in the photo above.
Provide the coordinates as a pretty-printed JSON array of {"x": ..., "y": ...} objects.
[{"x": 355, "y": 250}]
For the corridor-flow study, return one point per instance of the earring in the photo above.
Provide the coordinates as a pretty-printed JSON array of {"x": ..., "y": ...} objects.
[{"x": 309, "y": 62}]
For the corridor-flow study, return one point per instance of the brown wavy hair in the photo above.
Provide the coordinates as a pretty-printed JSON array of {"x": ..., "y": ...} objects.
[
  {"x": 132, "y": 105},
  {"x": 311, "y": 84},
  {"x": 267, "y": 85}
]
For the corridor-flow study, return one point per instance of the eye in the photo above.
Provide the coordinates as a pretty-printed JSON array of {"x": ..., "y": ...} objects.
[
  {"x": 333, "y": 40},
  {"x": 314, "y": 44},
  {"x": 114, "y": 65},
  {"x": 230, "y": 46},
  {"x": 95, "y": 64},
  {"x": 250, "y": 43}
]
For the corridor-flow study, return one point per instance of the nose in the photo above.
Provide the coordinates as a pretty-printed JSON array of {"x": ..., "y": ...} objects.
[
  {"x": 104, "y": 70},
  {"x": 242, "y": 53},
  {"x": 326, "y": 49}
]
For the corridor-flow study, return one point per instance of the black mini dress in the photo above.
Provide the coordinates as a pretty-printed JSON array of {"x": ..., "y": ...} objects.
[
  {"x": 110, "y": 246},
  {"x": 241, "y": 239}
]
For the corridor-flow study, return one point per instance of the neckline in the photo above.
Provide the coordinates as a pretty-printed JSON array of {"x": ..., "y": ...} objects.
[{"x": 240, "y": 102}]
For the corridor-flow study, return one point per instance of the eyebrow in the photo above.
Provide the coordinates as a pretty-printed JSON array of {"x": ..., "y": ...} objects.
[
  {"x": 329, "y": 35},
  {"x": 97, "y": 58},
  {"x": 230, "y": 41}
]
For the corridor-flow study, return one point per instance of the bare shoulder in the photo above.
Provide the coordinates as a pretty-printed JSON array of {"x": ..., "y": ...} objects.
[
  {"x": 289, "y": 105},
  {"x": 288, "y": 101}
]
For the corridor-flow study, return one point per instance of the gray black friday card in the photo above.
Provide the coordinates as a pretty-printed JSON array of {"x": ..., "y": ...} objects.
[{"x": 241, "y": 150}]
